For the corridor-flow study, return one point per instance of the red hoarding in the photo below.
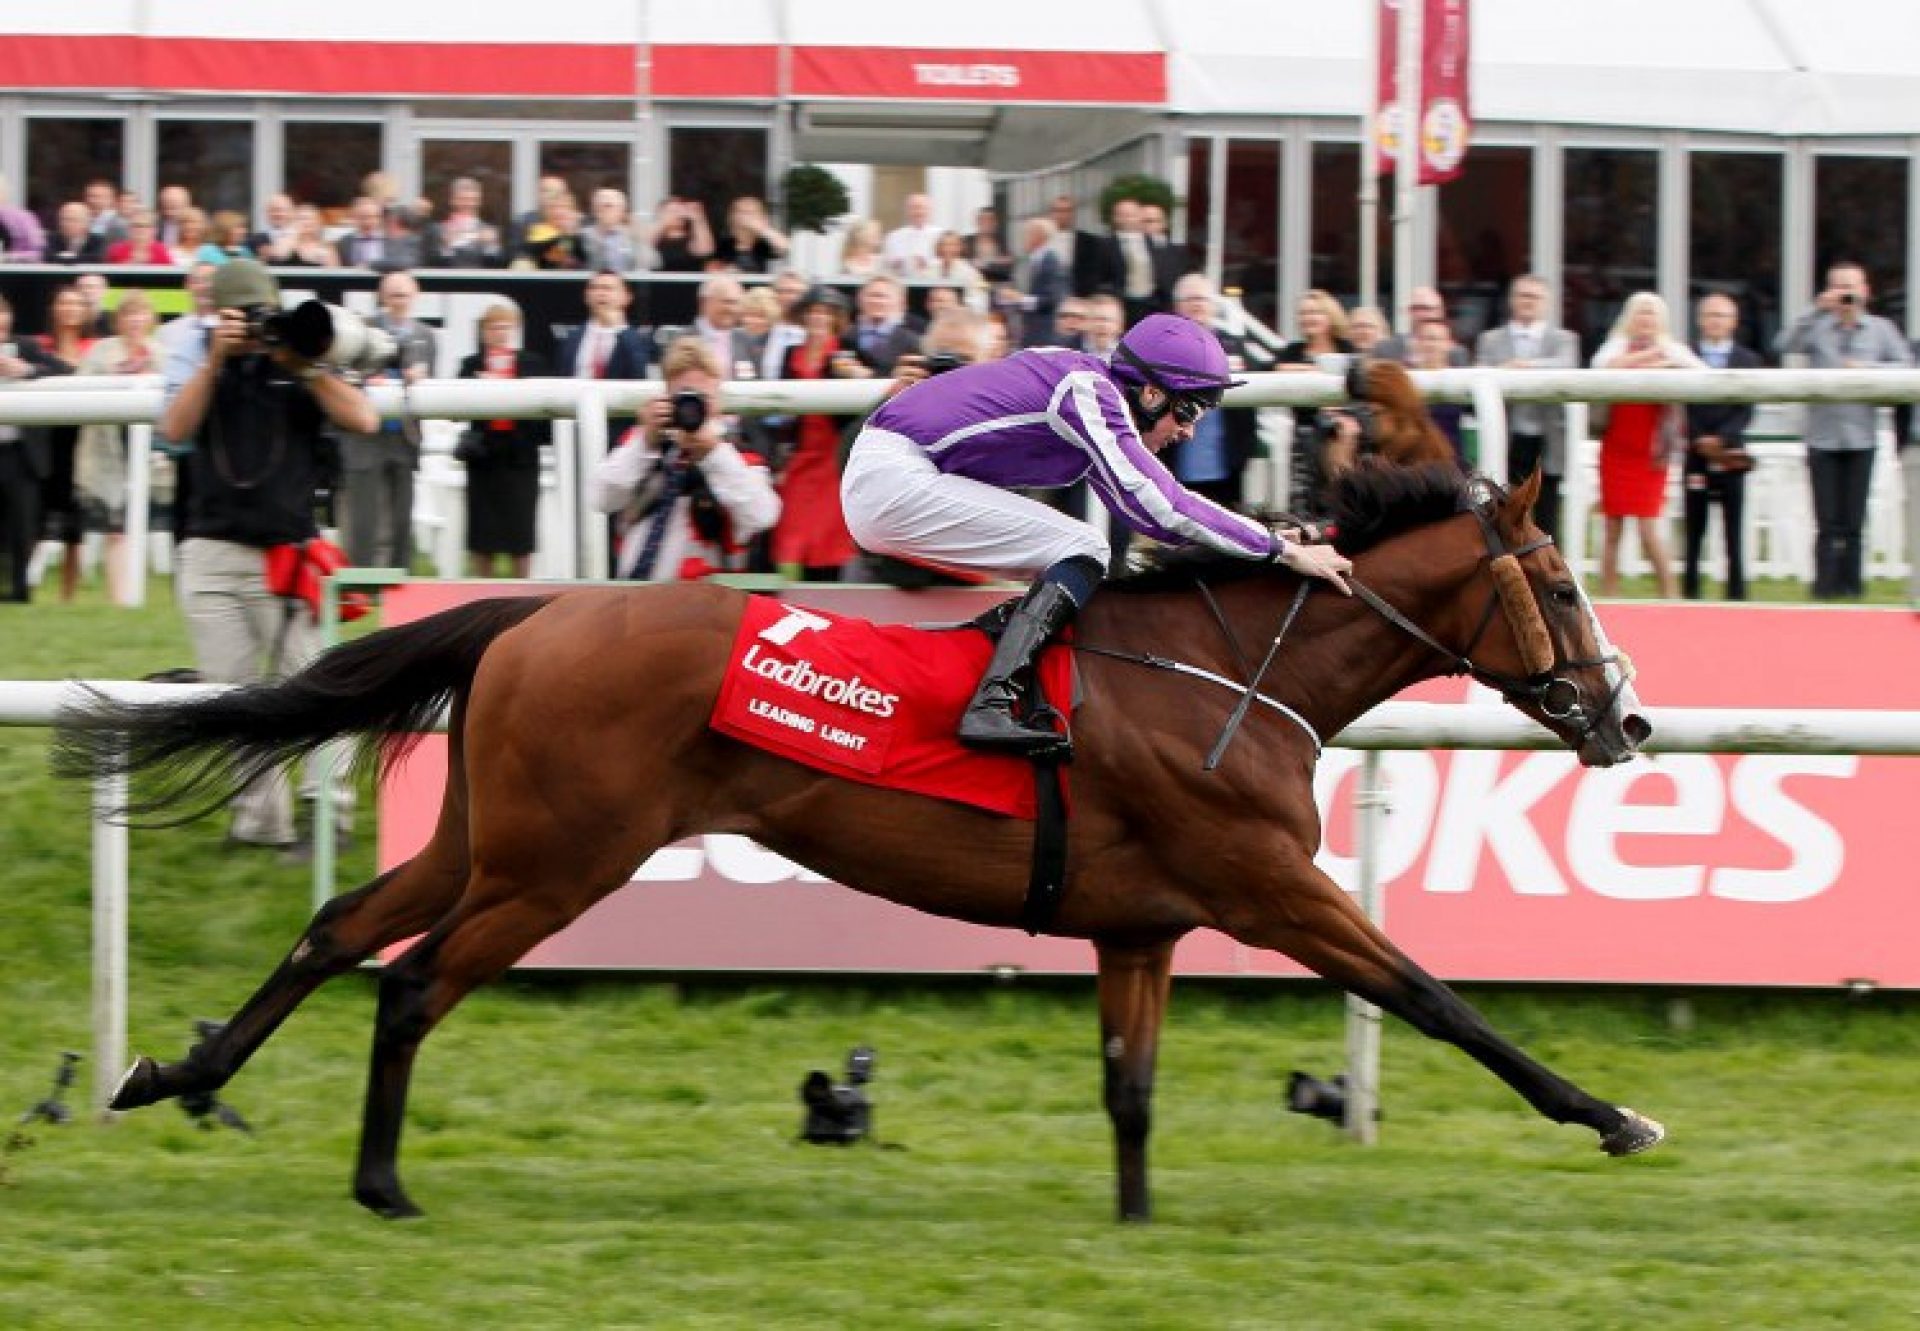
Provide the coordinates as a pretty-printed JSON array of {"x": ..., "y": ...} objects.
[{"x": 1766, "y": 869}]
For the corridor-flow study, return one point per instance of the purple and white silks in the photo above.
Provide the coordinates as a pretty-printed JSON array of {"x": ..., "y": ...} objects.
[{"x": 1050, "y": 417}]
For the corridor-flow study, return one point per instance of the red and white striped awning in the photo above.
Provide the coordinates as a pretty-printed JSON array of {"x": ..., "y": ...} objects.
[{"x": 1071, "y": 53}]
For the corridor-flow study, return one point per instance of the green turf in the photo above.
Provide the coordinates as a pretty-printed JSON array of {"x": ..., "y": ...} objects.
[{"x": 610, "y": 1153}]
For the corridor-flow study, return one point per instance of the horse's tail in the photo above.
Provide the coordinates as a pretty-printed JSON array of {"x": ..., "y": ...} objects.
[{"x": 387, "y": 688}]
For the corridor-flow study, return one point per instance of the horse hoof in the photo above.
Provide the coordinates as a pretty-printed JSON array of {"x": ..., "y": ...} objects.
[
  {"x": 1636, "y": 1133},
  {"x": 141, "y": 1086},
  {"x": 388, "y": 1203}
]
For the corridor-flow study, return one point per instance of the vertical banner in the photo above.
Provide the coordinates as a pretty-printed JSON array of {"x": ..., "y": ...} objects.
[
  {"x": 1446, "y": 121},
  {"x": 1445, "y": 116},
  {"x": 1386, "y": 87}
]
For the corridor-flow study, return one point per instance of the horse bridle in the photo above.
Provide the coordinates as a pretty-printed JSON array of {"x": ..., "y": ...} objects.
[{"x": 1551, "y": 690}]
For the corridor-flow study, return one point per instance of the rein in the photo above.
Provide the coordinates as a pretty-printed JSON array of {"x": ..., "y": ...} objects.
[{"x": 1547, "y": 687}]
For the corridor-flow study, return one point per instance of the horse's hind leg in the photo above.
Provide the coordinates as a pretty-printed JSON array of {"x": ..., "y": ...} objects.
[
  {"x": 344, "y": 932},
  {"x": 400, "y": 903},
  {"x": 1322, "y": 929},
  {"x": 1133, "y": 1001},
  {"x": 495, "y": 924}
]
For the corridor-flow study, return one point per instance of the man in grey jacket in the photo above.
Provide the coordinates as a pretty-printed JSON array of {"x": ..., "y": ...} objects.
[
  {"x": 1536, "y": 431},
  {"x": 1838, "y": 333},
  {"x": 378, "y": 468}
]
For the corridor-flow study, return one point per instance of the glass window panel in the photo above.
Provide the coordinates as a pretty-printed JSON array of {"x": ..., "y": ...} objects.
[
  {"x": 1485, "y": 237},
  {"x": 1199, "y": 197},
  {"x": 717, "y": 166},
  {"x": 586, "y": 167},
  {"x": 1334, "y": 265},
  {"x": 212, "y": 158},
  {"x": 326, "y": 161},
  {"x": 443, "y": 161},
  {"x": 1612, "y": 225},
  {"x": 1250, "y": 258},
  {"x": 63, "y": 155},
  {"x": 1733, "y": 247},
  {"x": 1860, "y": 214}
]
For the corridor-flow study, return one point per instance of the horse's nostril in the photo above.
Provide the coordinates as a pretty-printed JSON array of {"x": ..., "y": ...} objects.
[{"x": 1636, "y": 728}]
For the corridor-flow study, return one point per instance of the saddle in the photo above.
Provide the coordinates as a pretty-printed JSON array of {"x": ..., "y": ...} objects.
[{"x": 879, "y": 704}]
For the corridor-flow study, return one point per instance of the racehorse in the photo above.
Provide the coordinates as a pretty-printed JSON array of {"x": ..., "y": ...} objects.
[{"x": 578, "y": 745}]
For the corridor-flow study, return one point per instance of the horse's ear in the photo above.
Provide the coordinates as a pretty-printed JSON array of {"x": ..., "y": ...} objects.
[{"x": 1517, "y": 507}]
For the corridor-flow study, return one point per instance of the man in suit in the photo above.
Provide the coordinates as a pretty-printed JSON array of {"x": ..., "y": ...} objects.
[
  {"x": 1171, "y": 261},
  {"x": 1088, "y": 258},
  {"x": 378, "y": 468},
  {"x": 1130, "y": 260},
  {"x": 1717, "y": 459},
  {"x": 1043, "y": 281},
  {"x": 605, "y": 347},
  {"x": 1536, "y": 431},
  {"x": 366, "y": 245},
  {"x": 104, "y": 218},
  {"x": 174, "y": 200},
  {"x": 1213, "y": 462},
  {"x": 883, "y": 333},
  {"x": 1424, "y": 304},
  {"x": 718, "y": 323}
]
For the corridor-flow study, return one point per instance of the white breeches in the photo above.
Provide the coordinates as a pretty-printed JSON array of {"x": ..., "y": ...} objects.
[{"x": 898, "y": 503}]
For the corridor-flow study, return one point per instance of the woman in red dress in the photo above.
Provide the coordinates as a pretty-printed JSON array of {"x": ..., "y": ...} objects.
[
  {"x": 1636, "y": 448},
  {"x": 811, "y": 540}
]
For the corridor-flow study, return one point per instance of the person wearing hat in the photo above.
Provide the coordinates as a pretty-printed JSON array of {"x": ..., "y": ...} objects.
[
  {"x": 932, "y": 478},
  {"x": 250, "y": 418}
]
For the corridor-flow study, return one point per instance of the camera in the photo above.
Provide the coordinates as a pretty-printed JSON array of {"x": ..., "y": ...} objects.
[
  {"x": 1849, "y": 298},
  {"x": 324, "y": 334},
  {"x": 838, "y": 1115},
  {"x": 1326, "y": 424},
  {"x": 689, "y": 411},
  {"x": 940, "y": 362}
]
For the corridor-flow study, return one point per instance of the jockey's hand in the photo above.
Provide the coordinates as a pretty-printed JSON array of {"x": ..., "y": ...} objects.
[{"x": 1316, "y": 561}]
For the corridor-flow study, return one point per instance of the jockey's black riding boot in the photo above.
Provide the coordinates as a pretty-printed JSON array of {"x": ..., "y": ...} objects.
[{"x": 989, "y": 722}]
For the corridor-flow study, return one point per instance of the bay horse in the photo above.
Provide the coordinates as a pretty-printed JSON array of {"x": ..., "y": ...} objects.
[{"x": 579, "y": 745}]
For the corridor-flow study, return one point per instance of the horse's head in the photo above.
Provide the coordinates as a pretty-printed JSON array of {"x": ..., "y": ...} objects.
[{"x": 1549, "y": 655}]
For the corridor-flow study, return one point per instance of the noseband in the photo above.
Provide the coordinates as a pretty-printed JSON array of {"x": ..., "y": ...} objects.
[{"x": 1549, "y": 688}]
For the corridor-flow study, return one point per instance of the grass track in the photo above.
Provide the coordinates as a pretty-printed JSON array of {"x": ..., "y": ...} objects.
[{"x": 613, "y": 1154}]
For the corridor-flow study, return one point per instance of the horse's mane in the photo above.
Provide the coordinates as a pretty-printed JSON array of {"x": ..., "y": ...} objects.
[{"x": 1367, "y": 504}]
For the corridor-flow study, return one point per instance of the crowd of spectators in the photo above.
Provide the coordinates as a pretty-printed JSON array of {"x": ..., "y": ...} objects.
[{"x": 1046, "y": 280}]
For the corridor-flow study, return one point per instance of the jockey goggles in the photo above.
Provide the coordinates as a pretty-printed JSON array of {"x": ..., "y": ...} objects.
[{"x": 1187, "y": 405}]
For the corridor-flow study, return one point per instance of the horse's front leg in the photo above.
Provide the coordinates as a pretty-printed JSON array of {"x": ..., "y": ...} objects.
[
  {"x": 1133, "y": 1002},
  {"x": 1306, "y": 915}
]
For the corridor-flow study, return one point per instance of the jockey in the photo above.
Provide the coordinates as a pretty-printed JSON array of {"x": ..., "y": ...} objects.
[{"x": 930, "y": 480}]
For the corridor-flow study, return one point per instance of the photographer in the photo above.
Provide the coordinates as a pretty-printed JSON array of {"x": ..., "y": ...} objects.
[
  {"x": 689, "y": 500},
  {"x": 1838, "y": 333},
  {"x": 251, "y": 415},
  {"x": 1385, "y": 417}
]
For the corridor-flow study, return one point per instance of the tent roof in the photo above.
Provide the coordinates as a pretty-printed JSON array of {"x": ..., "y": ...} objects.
[{"x": 1752, "y": 66}]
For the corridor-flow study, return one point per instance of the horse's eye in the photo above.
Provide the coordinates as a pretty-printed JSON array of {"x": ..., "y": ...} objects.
[{"x": 1565, "y": 595}]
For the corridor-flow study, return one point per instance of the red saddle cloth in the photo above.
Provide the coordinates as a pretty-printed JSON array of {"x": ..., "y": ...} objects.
[{"x": 872, "y": 702}]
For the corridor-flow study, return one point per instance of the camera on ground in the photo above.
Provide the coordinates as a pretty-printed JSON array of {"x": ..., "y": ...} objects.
[{"x": 838, "y": 1115}]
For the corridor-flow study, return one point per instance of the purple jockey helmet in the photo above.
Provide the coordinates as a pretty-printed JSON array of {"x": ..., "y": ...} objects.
[{"x": 1175, "y": 355}]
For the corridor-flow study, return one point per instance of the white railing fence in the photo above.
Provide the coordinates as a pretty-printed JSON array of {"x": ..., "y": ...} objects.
[
  {"x": 573, "y": 541},
  {"x": 1394, "y": 725}
]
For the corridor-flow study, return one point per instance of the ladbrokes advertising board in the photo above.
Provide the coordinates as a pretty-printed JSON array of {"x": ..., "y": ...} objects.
[{"x": 1766, "y": 869}]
